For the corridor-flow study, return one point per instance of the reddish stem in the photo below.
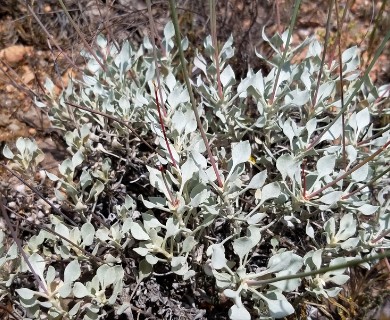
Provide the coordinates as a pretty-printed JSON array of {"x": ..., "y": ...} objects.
[
  {"x": 162, "y": 126},
  {"x": 350, "y": 171}
]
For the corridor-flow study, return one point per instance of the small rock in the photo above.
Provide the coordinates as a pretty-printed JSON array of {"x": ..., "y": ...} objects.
[
  {"x": 32, "y": 131},
  {"x": 14, "y": 54}
]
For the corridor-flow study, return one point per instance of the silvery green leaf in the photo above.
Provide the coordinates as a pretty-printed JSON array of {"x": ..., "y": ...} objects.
[
  {"x": 347, "y": 227},
  {"x": 50, "y": 274},
  {"x": 72, "y": 272},
  {"x": 188, "y": 244},
  {"x": 65, "y": 290},
  {"x": 297, "y": 97},
  {"x": 325, "y": 165},
  {"x": 279, "y": 262},
  {"x": 242, "y": 246},
  {"x": 150, "y": 221},
  {"x": 325, "y": 90},
  {"x": 21, "y": 144},
  {"x": 96, "y": 189},
  {"x": 145, "y": 270},
  {"x": 147, "y": 44},
  {"x": 368, "y": 209},
  {"x": 179, "y": 265},
  {"x": 151, "y": 259},
  {"x": 239, "y": 312},
  {"x": 309, "y": 230},
  {"x": 218, "y": 260},
  {"x": 172, "y": 228},
  {"x": 286, "y": 165},
  {"x": 241, "y": 152},
  {"x": 258, "y": 180},
  {"x": 351, "y": 153},
  {"x": 296, "y": 263},
  {"x": 101, "y": 41},
  {"x": 222, "y": 279},
  {"x": 141, "y": 251},
  {"x": 88, "y": 233},
  {"x": 227, "y": 76},
  {"x": 317, "y": 258},
  {"x": 7, "y": 152},
  {"x": 361, "y": 173},
  {"x": 311, "y": 126},
  {"x": 103, "y": 234},
  {"x": 288, "y": 130},
  {"x": 188, "y": 169},
  {"x": 348, "y": 54},
  {"x": 269, "y": 191},
  {"x": 339, "y": 279},
  {"x": 75, "y": 309},
  {"x": 334, "y": 131},
  {"x": 314, "y": 49},
  {"x": 330, "y": 228},
  {"x": 169, "y": 30},
  {"x": 123, "y": 59},
  {"x": 170, "y": 81},
  {"x": 278, "y": 305},
  {"x": 362, "y": 119},
  {"x": 200, "y": 63},
  {"x": 199, "y": 195},
  {"x": 331, "y": 197},
  {"x": 154, "y": 202},
  {"x": 227, "y": 50},
  {"x": 350, "y": 244},
  {"x": 79, "y": 290},
  {"x": 49, "y": 85},
  {"x": 138, "y": 232},
  {"x": 157, "y": 181},
  {"x": 256, "y": 218},
  {"x": 25, "y": 293},
  {"x": 38, "y": 263}
]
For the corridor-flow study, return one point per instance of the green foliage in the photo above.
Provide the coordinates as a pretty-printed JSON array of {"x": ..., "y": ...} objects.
[{"x": 278, "y": 163}]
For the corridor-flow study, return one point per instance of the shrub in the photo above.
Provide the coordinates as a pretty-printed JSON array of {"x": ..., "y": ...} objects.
[{"x": 300, "y": 192}]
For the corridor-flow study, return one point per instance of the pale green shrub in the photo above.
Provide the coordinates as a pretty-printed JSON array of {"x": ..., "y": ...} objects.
[{"x": 277, "y": 176}]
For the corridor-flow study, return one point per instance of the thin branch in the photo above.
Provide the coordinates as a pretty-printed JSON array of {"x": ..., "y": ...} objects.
[
  {"x": 341, "y": 85},
  {"x": 81, "y": 35},
  {"x": 327, "y": 36},
  {"x": 19, "y": 245},
  {"x": 51, "y": 38},
  {"x": 351, "y": 263},
  {"x": 290, "y": 31},
  {"x": 114, "y": 119},
  {"x": 214, "y": 39},
  {"x": 163, "y": 127},
  {"x": 154, "y": 35},
  {"x": 55, "y": 209},
  {"x": 191, "y": 93},
  {"x": 370, "y": 158},
  {"x": 357, "y": 86}
]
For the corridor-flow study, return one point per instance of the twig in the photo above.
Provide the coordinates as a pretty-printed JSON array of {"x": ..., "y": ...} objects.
[
  {"x": 55, "y": 209},
  {"x": 153, "y": 36},
  {"x": 114, "y": 119},
  {"x": 371, "y": 157},
  {"x": 81, "y": 35},
  {"x": 163, "y": 127},
  {"x": 51, "y": 37},
  {"x": 191, "y": 93},
  {"x": 19, "y": 245},
  {"x": 290, "y": 31},
  {"x": 214, "y": 39}
]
